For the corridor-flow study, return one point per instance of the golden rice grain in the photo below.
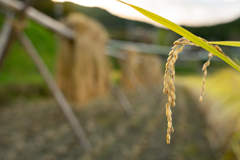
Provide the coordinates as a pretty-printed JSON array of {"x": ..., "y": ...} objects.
[
  {"x": 167, "y": 106},
  {"x": 204, "y": 67},
  {"x": 167, "y": 64},
  {"x": 174, "y": 59},
  {"x": 171, "y": 52},
  {"x": 200, "y": 99},
  {"x": 169, "y": 59},
  {"x": 176, "y": 42},
  {"x": 168, "y": 141},
  {"x": 171, "y": 82},
  {"x": 170, "y": 112},
  {"x": 169, "y": 124},
  {"x": 168, "y": 136},
  {"x": 169, "y": 98},
  {"x": 168, "y": 130},
  {"x": 174, "y": 47},
  {"x": 167, "y": 112},
  {"x": 218, "y": 48},
  {"x": 204, "y": 80},
  {"x": 205, "y": 73},
  {"x": 173, "y": 103},
  {"x": 173, "y": 96},
  {"x": 210, "y": 55},
  {"x": 169, "y": 119},
  {"x": 164, "y": 90}
]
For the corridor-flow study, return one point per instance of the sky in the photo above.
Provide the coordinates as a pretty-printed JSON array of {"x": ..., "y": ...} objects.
[{"x": 183, "y": 12}]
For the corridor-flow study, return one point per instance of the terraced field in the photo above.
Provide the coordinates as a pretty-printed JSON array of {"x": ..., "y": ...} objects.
[{"x": 37, "y": 130}]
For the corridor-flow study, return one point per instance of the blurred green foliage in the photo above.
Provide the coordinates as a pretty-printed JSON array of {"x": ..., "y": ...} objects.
[
  {"x": 221, "y": 32},
  {"x": 17, "y": 65}
]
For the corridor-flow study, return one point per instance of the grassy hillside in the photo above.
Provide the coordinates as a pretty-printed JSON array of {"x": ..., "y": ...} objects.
[{"x": 19, "y": 77}]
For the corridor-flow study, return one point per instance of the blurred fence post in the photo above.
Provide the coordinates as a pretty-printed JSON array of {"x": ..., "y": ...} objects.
[
  {"x": 8, "y": 35},
  {"x": 64, "y": 105},
  {"x": 58, "y": 10},
  {"x": 5, "y": 35}
]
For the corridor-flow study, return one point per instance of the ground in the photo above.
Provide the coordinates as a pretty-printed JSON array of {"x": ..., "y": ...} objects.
[{"x": 36, "y": 129}]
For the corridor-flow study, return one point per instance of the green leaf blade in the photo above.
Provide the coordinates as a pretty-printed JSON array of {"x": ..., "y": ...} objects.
[{"x": 227, "y": 43}]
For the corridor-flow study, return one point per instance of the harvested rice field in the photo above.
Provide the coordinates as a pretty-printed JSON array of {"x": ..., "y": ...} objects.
[{"x": 38, "y": 130}]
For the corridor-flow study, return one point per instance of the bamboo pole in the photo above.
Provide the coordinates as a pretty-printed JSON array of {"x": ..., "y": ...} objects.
[
  {"x": 8, "y": 35},
  {"x": 5, "y": 37},
  {"x": 61, "y": 100}
]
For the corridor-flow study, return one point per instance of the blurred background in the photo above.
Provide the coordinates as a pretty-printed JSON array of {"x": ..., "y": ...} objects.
[{"x": 109, "y": 62}]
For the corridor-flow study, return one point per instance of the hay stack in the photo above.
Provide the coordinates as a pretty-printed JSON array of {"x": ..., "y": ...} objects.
[
  {"x": 151, "y": 70},
  {"x": 130, "y": 67},
  {"x": 83, "y": 70},
  {"x": 140, "y": 69}
]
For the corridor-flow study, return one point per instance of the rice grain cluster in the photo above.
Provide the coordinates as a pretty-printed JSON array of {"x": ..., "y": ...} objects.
[
  {"x": 169, "y": 78},
  {"x": 204, "y": 69}
]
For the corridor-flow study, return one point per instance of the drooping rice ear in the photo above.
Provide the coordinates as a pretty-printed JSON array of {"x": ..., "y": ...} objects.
[{"x": 204, "y": 69}]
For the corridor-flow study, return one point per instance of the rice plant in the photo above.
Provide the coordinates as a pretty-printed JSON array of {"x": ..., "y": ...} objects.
[{"x": 188, "y": 39}]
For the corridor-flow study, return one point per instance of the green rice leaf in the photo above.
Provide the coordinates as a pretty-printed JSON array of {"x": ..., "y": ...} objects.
[
  {"x": 185, "y": 33},
  {"x": 227, "y": 43}
]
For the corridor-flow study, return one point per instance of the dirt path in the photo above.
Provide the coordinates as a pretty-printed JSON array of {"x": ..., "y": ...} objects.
[{"x": 39, "y": 131}]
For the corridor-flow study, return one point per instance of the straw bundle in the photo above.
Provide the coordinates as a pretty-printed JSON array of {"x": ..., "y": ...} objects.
[
  {"x": 130, "y": 67},
  {"x": 83, "y": 70},
  {"x": 151, "y": 70},
  {"x": 140, "y": 69}
]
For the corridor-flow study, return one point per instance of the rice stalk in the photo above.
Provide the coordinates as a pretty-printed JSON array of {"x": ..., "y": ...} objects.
[{"x": 169, "y": 78}]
